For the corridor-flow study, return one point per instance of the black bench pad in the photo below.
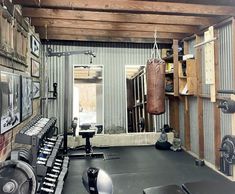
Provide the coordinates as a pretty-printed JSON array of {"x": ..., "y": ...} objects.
[
  {"x": 169, "y": 189},
  {"x": 210, "y": 187}
]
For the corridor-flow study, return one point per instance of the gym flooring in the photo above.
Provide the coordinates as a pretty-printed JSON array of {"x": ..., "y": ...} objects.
[{"x": 133, "y": 169}]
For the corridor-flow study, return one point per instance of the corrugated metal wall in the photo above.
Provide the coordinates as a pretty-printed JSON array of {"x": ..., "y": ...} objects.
[
  {"x": 225, "y": 58},
  {"x": 226, "y": 72},
  {"x": 114, "y": 57},
  {"x": 225, "y": 124},
  {"x": 181, "y": 121},
  {"x": 194, "y": 136},
  {"x": 164, "y": 118},
  {"x": 208, "y": 125},
  {"x": 191, "y": 48}
]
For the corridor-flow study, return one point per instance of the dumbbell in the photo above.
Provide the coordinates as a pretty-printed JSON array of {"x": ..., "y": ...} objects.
[
  {"x": 42, "y": 159},
  {"x": 46, "y": 190},
  {"x": 49, "y": 143},
  {"x": 47, "y": 149},
  {"x": 51, "y": 139},
  {"x": 52, "y": 189},
  {"x": 44, "y": 152},
  {"x": 49, "y": 184},
  {"x": 41, "y": 162}
]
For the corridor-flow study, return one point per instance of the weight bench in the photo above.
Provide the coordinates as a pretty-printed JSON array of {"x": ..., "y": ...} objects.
[
  {"x": 201, "y": 187},
  {"x": 87, "y": 134},
  {"x": 169, "y": 189},
  {"x": 209, "y": 187}
]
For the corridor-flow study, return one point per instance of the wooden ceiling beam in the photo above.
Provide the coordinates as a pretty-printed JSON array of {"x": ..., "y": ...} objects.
[
  {"x": 102, "y": 39},
  {"x": 112, "y": 26},
  {"x": 135, "y": 6},
  {"x": 204, "y": 2},
  {"x": 111, "y": 33},
  {"x": 117, "y": 17}
]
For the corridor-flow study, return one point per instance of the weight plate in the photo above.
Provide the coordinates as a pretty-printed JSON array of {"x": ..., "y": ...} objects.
[
  {"x": 17, "y": 177},
  {"x": 24, "y": 154},
  {"x": 228, "y": 148}
]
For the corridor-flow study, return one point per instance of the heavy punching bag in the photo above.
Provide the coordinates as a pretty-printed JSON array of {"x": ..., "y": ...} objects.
[{"x": 155, "y": 73}]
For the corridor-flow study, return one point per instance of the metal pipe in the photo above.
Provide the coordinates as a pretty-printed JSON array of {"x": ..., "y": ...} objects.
[
  {"x": 66, "y": 98},
  {"x": 205, "y": 42}
]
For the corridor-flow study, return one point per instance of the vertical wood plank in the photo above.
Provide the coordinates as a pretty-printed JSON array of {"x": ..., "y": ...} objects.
[
  {"x": 186, "y": 111},
  {"x": 1, "y": 26},
  {"x": 199, "y": 99},
  {"x": 187, "y": 124},
  {"x": 3, "y": 31},
  {"x": 175, "y": 60},
  {"x": 217, "y": 132},
  {"x": 174, "y": 115}
]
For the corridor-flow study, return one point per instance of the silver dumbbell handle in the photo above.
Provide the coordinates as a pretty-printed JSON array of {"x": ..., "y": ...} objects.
[
  {"x": 50, "y": 179},
  {"x": 52, "y": 175},
  {"x": 49, "y": 184},
  {"x": 47, "y": 190}
]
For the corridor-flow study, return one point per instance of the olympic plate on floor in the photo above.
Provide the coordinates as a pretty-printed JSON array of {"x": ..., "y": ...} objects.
[{"x": 17, "y": 177}]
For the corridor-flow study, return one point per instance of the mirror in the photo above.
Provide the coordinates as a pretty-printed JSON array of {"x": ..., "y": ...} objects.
[
  {"x": 88, "y": 96},
  {"x": 138, "y": 120}
]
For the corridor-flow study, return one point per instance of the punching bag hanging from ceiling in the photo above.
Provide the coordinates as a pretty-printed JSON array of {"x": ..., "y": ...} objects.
[{"x": 155, "y": 73}]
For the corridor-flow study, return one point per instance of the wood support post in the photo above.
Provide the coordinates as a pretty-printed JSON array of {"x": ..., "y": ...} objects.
[
  {"x": 187, "y": 124},
  {"x": 217, "y": 130},
  {"x": 199, "y": 99}
]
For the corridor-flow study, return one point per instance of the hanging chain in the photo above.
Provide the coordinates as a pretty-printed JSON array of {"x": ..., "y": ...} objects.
[{"x": 155, "y": 48}]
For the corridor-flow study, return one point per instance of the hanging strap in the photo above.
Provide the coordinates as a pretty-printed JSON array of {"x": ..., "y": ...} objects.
[{"x": 155, "y": 51}]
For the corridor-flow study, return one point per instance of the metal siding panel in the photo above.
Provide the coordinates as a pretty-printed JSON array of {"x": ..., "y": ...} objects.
[
  {"x": 113, "y": 57},
  {"x": 225, "y": 124},
  {"x": 191, "y": 48},
  {"x": 181, "y": 121},
  {"x": 227, "y": 72},
  {"x": 163, "y": 119},
  {"x": 194, "y": 133},
  {"x": 225, "y": 58},
  {"x": 208, "y": 125}
]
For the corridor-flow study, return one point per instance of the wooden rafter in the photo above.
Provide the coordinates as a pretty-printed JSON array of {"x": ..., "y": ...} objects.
[
  {"x": 101, "y": 38},
  {"x": 117, "y": 17},
  {"x": 110, "y": 33},
  {"x": 48, "y": 33},
  {"x": 204, "y": 2},
  {"x": 113, "y": 26},
  {"x": 135, "y": 6}
]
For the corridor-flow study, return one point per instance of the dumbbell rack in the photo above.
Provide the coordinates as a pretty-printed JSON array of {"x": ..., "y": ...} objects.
[
  {"x": 50, "y": 168},
  {"x": 26, "y": 135}
]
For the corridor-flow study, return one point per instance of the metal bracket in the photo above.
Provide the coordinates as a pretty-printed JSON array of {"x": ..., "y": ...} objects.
[{"x": 50, "y": 53}]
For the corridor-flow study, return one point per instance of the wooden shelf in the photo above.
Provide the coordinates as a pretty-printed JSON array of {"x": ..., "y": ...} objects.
[{"x": 187, "y": 84}]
